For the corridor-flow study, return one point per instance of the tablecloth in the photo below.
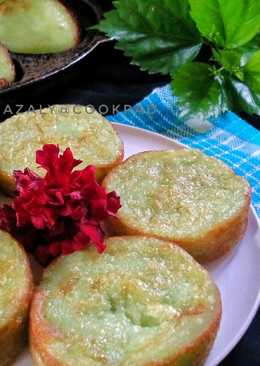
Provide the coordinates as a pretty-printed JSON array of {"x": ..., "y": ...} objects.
[{"x": 227, "y": 137}]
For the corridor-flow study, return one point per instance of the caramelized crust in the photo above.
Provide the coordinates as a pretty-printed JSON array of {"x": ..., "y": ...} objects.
[
  {"x": 144, "y": 302},
  {"x": 15, "y": 295},
  {"x": 181, "y": 196},
  {"x": 90, "y": 136}
]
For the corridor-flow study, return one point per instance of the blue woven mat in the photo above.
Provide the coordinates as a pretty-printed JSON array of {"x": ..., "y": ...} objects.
[{"x": 228, "y": 137}]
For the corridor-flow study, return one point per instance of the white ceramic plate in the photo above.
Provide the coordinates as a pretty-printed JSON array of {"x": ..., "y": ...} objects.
[{"x": 237, "y": 275}]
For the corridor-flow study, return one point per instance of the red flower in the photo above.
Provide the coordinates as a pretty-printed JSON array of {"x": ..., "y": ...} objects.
[
  {"x": 7, "y": 218},
  {"x": 113, "y": 203},
  {"x": 61, "y": 212},
  {"x": 58, "y": 166}
]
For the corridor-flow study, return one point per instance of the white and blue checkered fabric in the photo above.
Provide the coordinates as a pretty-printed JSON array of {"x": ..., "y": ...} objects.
[{"x": 227, "y": 137}]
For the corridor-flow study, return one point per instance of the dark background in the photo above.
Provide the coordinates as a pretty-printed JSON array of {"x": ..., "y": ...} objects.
[{"x": 106, "y": 77}]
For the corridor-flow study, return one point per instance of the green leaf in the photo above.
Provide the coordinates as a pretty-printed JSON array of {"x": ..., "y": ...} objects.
[
  {"x": 246, "y": 93},
  {"x": 248, "y": 49},
  {"x": 252, "y": 69},
  {"x": 230, "y": 60},
  {"x": 227, "y": 23},
  {"x": 234, "y": 60},
  {"x": 244, "y": 98},
  {"x": 159, "y": 35},
  {"x": 253, "y": 45},
  {"x": 200, "y": 91}
]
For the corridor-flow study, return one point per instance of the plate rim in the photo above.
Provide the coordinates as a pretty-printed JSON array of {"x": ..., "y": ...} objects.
[{"x": 247, "y": 322}]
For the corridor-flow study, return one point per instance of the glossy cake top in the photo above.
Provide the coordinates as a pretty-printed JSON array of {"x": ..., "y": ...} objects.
[
  {"x": 42, "y": 26},
  {"x": 91, "y": 138},
  {"x": 7, "y": 70},
  {"x": 14, "y": 282},
  {"x": 176, "y": 194},
  {"x": 142, "y": 300}
]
